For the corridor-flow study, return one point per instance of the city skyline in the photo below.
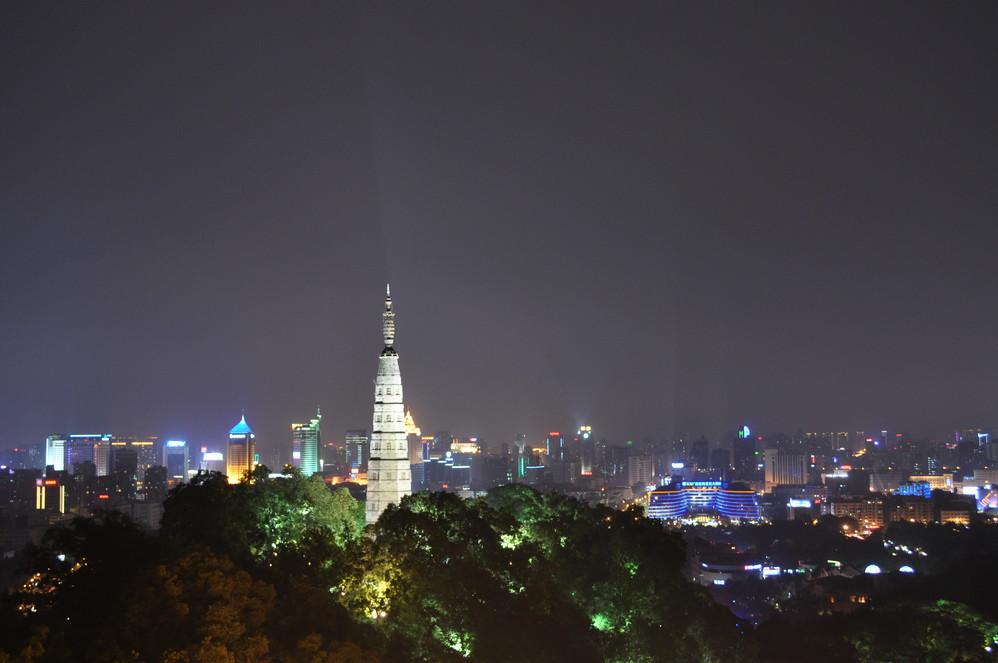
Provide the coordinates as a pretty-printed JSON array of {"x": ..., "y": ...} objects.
[{"x": 652, "y": 220}]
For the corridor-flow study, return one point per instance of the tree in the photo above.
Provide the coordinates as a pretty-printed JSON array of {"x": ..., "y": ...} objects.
[
  {"x": 199, "y": 608},
  {"x": 291, "y": 524}
]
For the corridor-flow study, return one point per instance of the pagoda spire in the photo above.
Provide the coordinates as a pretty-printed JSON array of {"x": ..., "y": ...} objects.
[{"x": 389, "y": 317}]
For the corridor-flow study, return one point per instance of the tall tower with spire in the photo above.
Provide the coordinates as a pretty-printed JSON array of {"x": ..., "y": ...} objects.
[
  {"x": 241, "y": 451},
  {"x": 388, "y": 473}
]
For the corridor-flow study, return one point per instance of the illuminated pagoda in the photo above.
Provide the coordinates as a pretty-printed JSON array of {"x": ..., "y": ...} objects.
[
  {"x": 241, "y": 453},
  {"x": 388, "y": 472}
]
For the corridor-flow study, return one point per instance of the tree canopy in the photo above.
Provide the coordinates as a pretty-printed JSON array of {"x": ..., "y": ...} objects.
[{"x": 282, "y": 569}]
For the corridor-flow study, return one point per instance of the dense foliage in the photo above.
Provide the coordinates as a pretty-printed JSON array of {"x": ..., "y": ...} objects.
[{"x": 282, "y": 569}]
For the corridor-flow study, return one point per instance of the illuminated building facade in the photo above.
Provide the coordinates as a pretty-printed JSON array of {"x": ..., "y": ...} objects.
[
  {"x": 414, "y": 441},
  {"x": 50, "y": 494},
  {"x": 556, "y": 446},
  {"x": 744, "y": 454},
  {"x": 356, "y": 450},
  {"x": 587, "y": 449},
  {"x": 55, "y": 452},
  {"x": 869, "y": 512},
  {"x": 668, "y": 502},
  {"x": 389, "y": 476},
  {"x": 176, "y": 460},
  {"x": 703, "y": 500},
  {"x": 305, "y": 445},
  {"x": 93, "y": 448},
  {"x": 784, "y": 467},
  {"x": 640, "y": 469},
  {"x": 241, "y": 452},
  {"x": 738, "y": 503}
]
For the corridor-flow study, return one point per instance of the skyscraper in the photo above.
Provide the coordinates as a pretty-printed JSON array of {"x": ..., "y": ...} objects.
[
  {"x": 305, "y": 445},
  {"x": 388, "y": 473},
  {"x": 176, "y": 460},
  {"x": 241, "y": 451},
  {"x": 356, "y": 451},
  {"x": 55, "y": 452}
]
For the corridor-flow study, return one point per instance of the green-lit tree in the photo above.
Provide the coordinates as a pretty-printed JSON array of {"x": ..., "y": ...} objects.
[
  {"x": 526, "y": 576},
  {"x": 291, "y": 524}
]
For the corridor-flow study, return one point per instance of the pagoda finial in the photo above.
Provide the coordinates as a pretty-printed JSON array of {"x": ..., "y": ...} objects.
[{"x": 389, "y": 317}]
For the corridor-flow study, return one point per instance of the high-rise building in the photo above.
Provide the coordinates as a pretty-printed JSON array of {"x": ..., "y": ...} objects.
[
  {"x": 414, "y": 439},
  {"x": 55, "y": 452},
  {"x": 388, "y": 472},
  {"x": 176, "y": 460},
  {"x": 784, "y": 467},
  {"x": 720, "y": 461},
  {"x": 744, "y": 454},
  {"x": 640, "y": 469},
  {"x": 699, "y": 455},
  {"x": 556, "y": 446},
  {"x": 587, "y": 449},
  {"x": 305, "y": 445},
  {"x": 93, "y": 448},
  {"x": 356, "y": 451},
  {"x": 241, "y": 451}
]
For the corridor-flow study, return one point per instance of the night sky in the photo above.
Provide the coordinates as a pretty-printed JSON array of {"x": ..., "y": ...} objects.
[{"x": 650, "y": 217}]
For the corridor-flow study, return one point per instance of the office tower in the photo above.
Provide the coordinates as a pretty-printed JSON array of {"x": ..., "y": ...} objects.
[
  {"x": 441, "y": 443},
  {"x": 176, "y": 460},
  {"x": 720, "y": 461},
  {"x": 414, "y": 439},
  {"x": 356, "y": 451},
  {"x": 241, "y": 451},
  {"x": 699, "y": 455},
  {"x": 154, "y": 483},
  {"x": 305, "y": 445},
  {"x": 784, "y": 467},
  {"x": 50, "y": 493},
  {"x": 55, "y": 452},
  {"x": 587, "y": 449},
  {"x": 93, "y": 448},
  {"x": 640, "y": 469},
  {"x": 388, "y": 473},
  {"x": 123, "y": 468},
  {"x": 556, "y": 446},
  {"x": 744, "y": 452}
]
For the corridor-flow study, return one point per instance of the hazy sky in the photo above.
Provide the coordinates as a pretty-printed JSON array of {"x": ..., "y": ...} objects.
[{"x": 652, "y": 217}]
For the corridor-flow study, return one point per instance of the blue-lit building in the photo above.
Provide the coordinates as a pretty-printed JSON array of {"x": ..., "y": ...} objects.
[
  {"x": 668, "y": 502},
  {"x": 915, "y": 489},
  {"x": 703, "y": 499},
  {"x": 176, "y": 460},
  {"x": 737, "y": 503}
]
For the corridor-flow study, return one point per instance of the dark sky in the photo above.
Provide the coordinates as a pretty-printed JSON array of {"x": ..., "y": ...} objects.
[{"x": 652, "y": 217}]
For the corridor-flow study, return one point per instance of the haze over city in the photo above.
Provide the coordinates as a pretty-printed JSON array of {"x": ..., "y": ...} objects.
[{"x": 651, "y": 218}]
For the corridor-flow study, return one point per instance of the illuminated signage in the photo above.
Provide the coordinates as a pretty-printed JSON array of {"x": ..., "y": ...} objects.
[
  {"x": 799, "y": 504},
  {"x": 211, "y": 456},
  {"x": 176, "y": 443}
]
